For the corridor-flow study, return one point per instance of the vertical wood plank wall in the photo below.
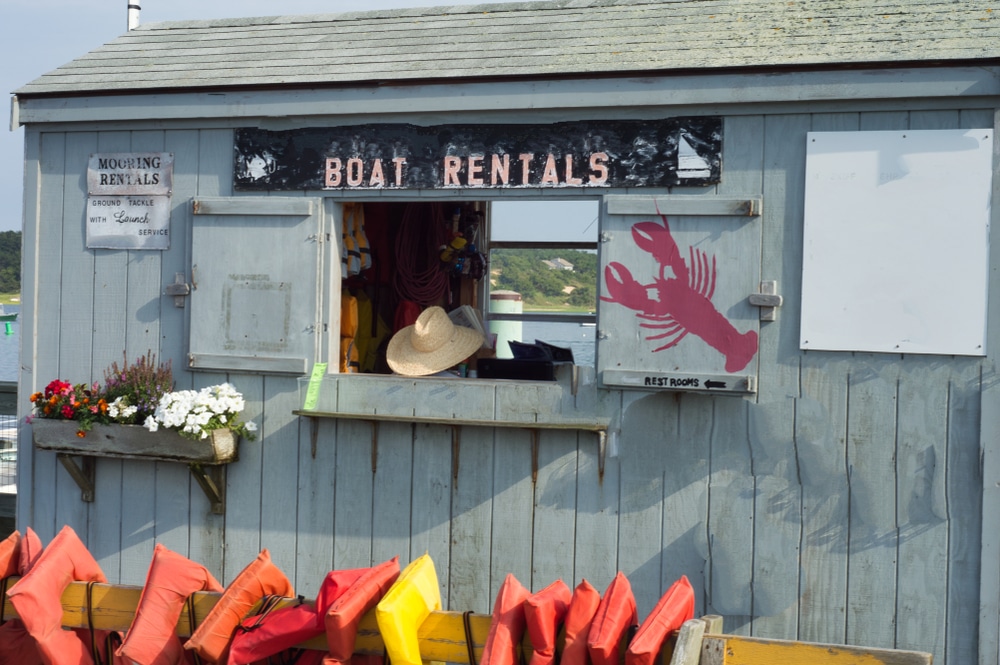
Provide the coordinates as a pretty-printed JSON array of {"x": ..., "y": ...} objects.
[{"x": 846, "y": 495}]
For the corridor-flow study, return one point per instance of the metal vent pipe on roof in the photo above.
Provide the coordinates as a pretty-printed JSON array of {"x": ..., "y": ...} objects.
[{"x": 133, "y": 14}]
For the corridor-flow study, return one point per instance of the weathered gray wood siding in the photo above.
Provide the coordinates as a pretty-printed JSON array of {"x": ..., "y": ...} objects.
[{"x": 843, "y": 504}]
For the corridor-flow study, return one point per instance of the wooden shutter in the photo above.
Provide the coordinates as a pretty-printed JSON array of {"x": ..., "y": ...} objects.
[
  {"x": 257, "y": 267},
  {"x": 676, "y": 276}
]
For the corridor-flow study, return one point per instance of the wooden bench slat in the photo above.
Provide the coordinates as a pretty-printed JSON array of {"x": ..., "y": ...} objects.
[
  {"x": 442, "y": 635},
  {"x": 737, "y": 650}
]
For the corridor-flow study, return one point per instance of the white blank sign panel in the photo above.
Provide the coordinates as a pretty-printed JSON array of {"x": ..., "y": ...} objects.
[{"x": 896, "y": 241}]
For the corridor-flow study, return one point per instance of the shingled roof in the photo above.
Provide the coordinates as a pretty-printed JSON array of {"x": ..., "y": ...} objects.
[{"x": 555, "y": 38}]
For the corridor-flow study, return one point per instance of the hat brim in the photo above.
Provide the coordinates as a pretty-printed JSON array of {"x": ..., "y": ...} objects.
[{"x": 404, "y": 359}]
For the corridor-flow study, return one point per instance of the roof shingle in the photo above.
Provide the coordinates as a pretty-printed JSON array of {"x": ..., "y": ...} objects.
[{"x": 529, "y": 40}]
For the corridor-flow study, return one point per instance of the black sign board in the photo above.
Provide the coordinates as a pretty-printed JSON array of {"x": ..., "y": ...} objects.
[{"x": 614, "y": 153}]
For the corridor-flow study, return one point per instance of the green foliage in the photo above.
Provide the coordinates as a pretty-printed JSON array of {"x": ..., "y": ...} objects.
[
  {"x": 138, "y": 385},
  {"x": 10, "y": 261},
  {"x": 129, "y": 395},
  {"x": 525, "y": 271},
  {"x": 62, "y": 400},
  {"x": 140, "y": 393}
]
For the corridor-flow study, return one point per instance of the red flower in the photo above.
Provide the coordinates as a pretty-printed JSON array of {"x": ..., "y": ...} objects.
[
  {"x": 67, "y": 412},
  {"x": 57, "y": 387}
]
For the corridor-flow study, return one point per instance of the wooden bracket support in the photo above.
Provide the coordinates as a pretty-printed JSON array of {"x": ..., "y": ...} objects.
[
  {"x": 456, "y": 424},
  {"x": 313, "y": 436},
  {"x": 534, "y": 456},
  {"x": 212, "y": 479},
  {"x": 456, "y": 444},
  {"x": 83, "y": 473},
  {"x": 602, "y": 451}
]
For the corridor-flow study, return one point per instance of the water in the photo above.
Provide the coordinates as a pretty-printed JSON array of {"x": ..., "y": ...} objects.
[
  {"x": 9, "y": 342},
  {"x": 581, "y": 339},
  {"x": 8, "y": 422}
]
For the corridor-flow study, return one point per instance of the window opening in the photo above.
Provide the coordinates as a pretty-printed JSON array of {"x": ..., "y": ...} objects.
[
  {"x": 543, "y": 275},
  {"x": 469, "y": 257}
]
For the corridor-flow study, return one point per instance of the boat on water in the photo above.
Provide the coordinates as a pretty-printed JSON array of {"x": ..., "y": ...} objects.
[{"x": 4, "y": 316}]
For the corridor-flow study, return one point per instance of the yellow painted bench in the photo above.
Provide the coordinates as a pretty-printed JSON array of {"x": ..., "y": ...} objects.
[{"x": 442, "y": 636}]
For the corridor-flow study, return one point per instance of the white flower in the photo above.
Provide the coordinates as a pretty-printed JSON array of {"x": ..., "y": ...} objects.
[
  {"x": 197, "y": 413},
  {"x": 120, "y": 409}
]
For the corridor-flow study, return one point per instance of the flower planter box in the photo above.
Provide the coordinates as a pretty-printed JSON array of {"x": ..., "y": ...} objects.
[
  {"x": 134, "y": 442},
  {"x": 205, "y": 457}
]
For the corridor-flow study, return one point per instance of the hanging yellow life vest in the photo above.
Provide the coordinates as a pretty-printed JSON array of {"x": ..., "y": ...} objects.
[
  {"x": 357, "y": 217},
  {"x": 356, "y": 253},
  {"x": 372, "y": 331},
  {"x": 349, "y": 363}
]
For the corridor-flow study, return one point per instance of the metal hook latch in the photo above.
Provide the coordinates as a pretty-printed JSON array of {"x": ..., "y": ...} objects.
[
  {"x": 768, "y": 300},
  {"x": 179, "y": 289}
]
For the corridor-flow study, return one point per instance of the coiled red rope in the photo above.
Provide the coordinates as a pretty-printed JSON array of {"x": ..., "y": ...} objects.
[{"x": 419, "y": 275}]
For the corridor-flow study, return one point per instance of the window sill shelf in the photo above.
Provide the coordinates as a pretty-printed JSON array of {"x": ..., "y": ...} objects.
[
  {"x": 589, "y": 426},
  {"x": 457, "y": 403}
]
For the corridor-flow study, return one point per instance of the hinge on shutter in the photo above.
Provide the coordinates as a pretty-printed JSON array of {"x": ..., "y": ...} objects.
[{"x": 179, "y": 289}]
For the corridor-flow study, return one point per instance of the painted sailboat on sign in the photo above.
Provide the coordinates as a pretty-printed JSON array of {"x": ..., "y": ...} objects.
[{"x": 689, "y": 163}]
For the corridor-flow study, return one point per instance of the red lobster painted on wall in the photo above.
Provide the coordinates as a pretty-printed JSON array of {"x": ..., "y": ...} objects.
[{"x": 679, "y": 305}]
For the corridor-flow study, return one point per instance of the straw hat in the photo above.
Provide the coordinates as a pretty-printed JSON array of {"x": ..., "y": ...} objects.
[{"x": 431, "y": 345}]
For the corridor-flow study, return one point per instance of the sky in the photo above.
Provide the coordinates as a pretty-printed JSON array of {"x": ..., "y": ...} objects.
[{"x": 37, "y": 36}]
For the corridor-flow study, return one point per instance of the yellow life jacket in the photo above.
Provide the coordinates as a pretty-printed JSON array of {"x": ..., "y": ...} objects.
[
  {"x": 357, "y": 216},
  {"x": 356, "y": 253},
  {"x": 348, "y": 331},
  {"x": 369, "y": 337}
]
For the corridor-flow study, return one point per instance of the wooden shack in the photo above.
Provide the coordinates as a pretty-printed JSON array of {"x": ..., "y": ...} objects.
[{"x": 794, "y": 396}]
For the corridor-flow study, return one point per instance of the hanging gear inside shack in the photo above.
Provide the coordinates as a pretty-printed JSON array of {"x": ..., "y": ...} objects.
[{"x": 397, "y": 260}]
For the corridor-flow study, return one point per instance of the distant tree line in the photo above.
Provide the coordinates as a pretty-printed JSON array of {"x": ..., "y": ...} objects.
[
  {"x": 10, "y": 261},
  {"x": 525, "y": 271}
]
